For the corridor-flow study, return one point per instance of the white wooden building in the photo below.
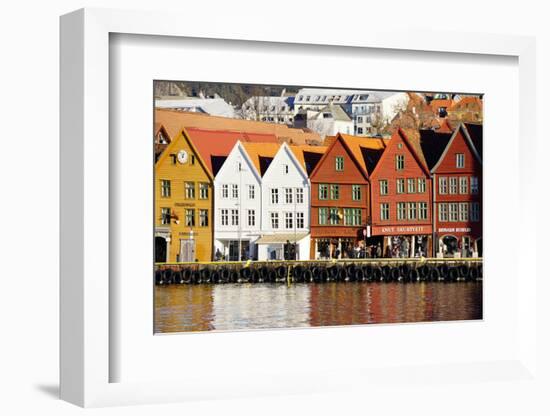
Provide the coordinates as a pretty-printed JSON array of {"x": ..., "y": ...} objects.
[
  {"x": 285, "y": 206},
  {"x": 237, "y": 203}
]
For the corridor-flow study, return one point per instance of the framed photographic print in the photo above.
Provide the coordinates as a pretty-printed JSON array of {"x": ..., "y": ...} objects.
[{"x": 221, "y": 195}]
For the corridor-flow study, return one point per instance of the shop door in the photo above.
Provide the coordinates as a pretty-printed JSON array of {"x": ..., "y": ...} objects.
[{"x": 187, "y": 250}]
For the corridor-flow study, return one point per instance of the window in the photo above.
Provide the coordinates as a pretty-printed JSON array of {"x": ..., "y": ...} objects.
[
  {"x": 453, "y": 211},
  {"x": 323, "y": 191},
  {"x": 411, "y": 214},
  {"x": 356, "y": 192},
  {"x": 352, "y": 216},
  {"x": 339, "y": 163},
  {"x": 334, "y": 191},
  {"x": 422, "y": 210},
  {"x": 225, "y": 217},
  {"x": 234, "y": 191},
  {"x": 411, "y": 186},
  {"x": 463, "y": 211},
  {"x": 288, "y": 195},
  {"x": 323, "y": 216},
  {"x": 251, "y": 218},
  {"x": 285, "y": 169},
  {"x": 401, "y": 211},
  {"x": 274, "y": 220},
  {"x": 400, "y": 186},
  {"x": 234, "y": 217},
  {"x": 474, "y": 211},
  {"x": 203, "y": 217},
  {"x": 288, "y": 220},
  {"x": 459, "y": 160},
  {"x": 399, "y": 162},
  {"x": 299, "y": 220},
  {"x": 421, "y": 185},
  {"x": 383, "y": 187},
  {"x": 453, "y": 185},
  {"x": 359, "y": 119},
  {"x": 463, "y": 185},
  {"x": 384, "y": 211},
  {"x": 203, "y": 190},
  {"x": 189, "y": 190},
  {"x": 299, "y": 195},
  {"x": 274, "y": 196},
  {"x": 164, "y": 188},
  {"x": 192, "y": 159},
  {"x": 251, "y": 191},
  {"x": 356, "y": 216},
  {"x": 473, "y": 185},
  {"x": 359, "y": 130},
  {"x": 334, "y": 217},
  {"x": 442, "y": 185},
  {"x": 225, "y": 190},
  {"x": 165, "y": 215},
  {"x": 443, "y": 212},
  {"x": 190, "y": 217}
]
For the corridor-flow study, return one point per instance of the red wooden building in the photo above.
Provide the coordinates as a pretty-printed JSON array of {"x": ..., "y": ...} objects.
[
  {"x": 340, "y": 192},
  {"x": 455, "y": 161},
  {"x": 401, "y": 198}
]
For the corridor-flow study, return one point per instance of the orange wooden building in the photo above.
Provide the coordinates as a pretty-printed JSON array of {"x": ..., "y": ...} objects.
[{"x": 340, "y": 205}]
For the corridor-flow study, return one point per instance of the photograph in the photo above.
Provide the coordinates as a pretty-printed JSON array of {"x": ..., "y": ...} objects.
[{"x": 283, "y": 206}]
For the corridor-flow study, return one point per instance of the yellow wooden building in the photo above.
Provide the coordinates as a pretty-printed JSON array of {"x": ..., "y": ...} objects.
[{"x": 183, "y": 203}]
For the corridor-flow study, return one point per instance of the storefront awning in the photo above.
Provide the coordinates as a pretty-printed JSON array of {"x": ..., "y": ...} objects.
[{"x": 280, "y": 238}]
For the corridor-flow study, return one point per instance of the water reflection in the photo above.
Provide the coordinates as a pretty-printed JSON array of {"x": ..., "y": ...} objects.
[{"x": 182, "y": 308}]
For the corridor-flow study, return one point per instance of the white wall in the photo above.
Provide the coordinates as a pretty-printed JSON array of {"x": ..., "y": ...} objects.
[
  {"x": 275, "y": 178},
  {"x": 29, "y": 353},
  {"x": 229, "y": 175}
]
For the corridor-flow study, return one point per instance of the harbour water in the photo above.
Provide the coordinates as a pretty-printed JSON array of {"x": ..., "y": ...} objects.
[{"x": 226, "y": 307}]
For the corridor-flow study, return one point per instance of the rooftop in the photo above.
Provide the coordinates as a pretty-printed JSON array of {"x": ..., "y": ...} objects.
[{"x": 174, "y": 121}]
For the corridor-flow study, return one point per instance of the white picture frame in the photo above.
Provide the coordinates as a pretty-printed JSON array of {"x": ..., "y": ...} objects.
[{"x": 86, "y": 356}]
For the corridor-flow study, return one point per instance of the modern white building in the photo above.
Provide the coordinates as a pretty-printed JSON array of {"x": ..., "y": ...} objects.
[
  {"x": 237, "y": 200},
  {"x": 270, "y": 109},
  {"x": 285, "y": 208},
  {"x": 368, "y": 109},
  {"x": 327, "y": 121}
]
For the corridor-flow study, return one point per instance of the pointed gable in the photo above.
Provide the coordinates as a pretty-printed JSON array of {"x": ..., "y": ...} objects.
[
  {"x": 400, "y": 144},
  {"x": 353, "y": 171},
  {"x": 460, "y": 142},
  {"x": 182, "y": 141}
]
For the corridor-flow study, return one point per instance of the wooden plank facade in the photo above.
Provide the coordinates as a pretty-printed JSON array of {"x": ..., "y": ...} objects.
[{"x": 401, "y": 200}]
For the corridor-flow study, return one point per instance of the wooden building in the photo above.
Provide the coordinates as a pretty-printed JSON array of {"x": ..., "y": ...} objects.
[
  {"x": 183, "y": 203},
  {"x": 401, "y": 198},
  {"x": 340, "y": 192},
  {"x": 455, "y": 160}
]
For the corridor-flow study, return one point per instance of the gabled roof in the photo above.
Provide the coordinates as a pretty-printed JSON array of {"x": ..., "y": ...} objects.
[
  {"x": 460, "y": 127},
  {"x": 433, "y": 143},
  {"x": 364, "y": 151},
  {"x": 308, "y": 156},
  {"x": 171, "y": 148},
  {"x": 476, "y": 134},
  {"x": 412, "y": 143},
  {"x": 215, "y": 145},
  {"x": 261, "y": 154}
]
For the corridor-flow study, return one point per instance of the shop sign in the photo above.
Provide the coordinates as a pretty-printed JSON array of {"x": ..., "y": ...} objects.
[
  {"x": 454, "y": 230},
  {"x": 184, "y": 204},
  {"x": 402, "y": 229}
]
